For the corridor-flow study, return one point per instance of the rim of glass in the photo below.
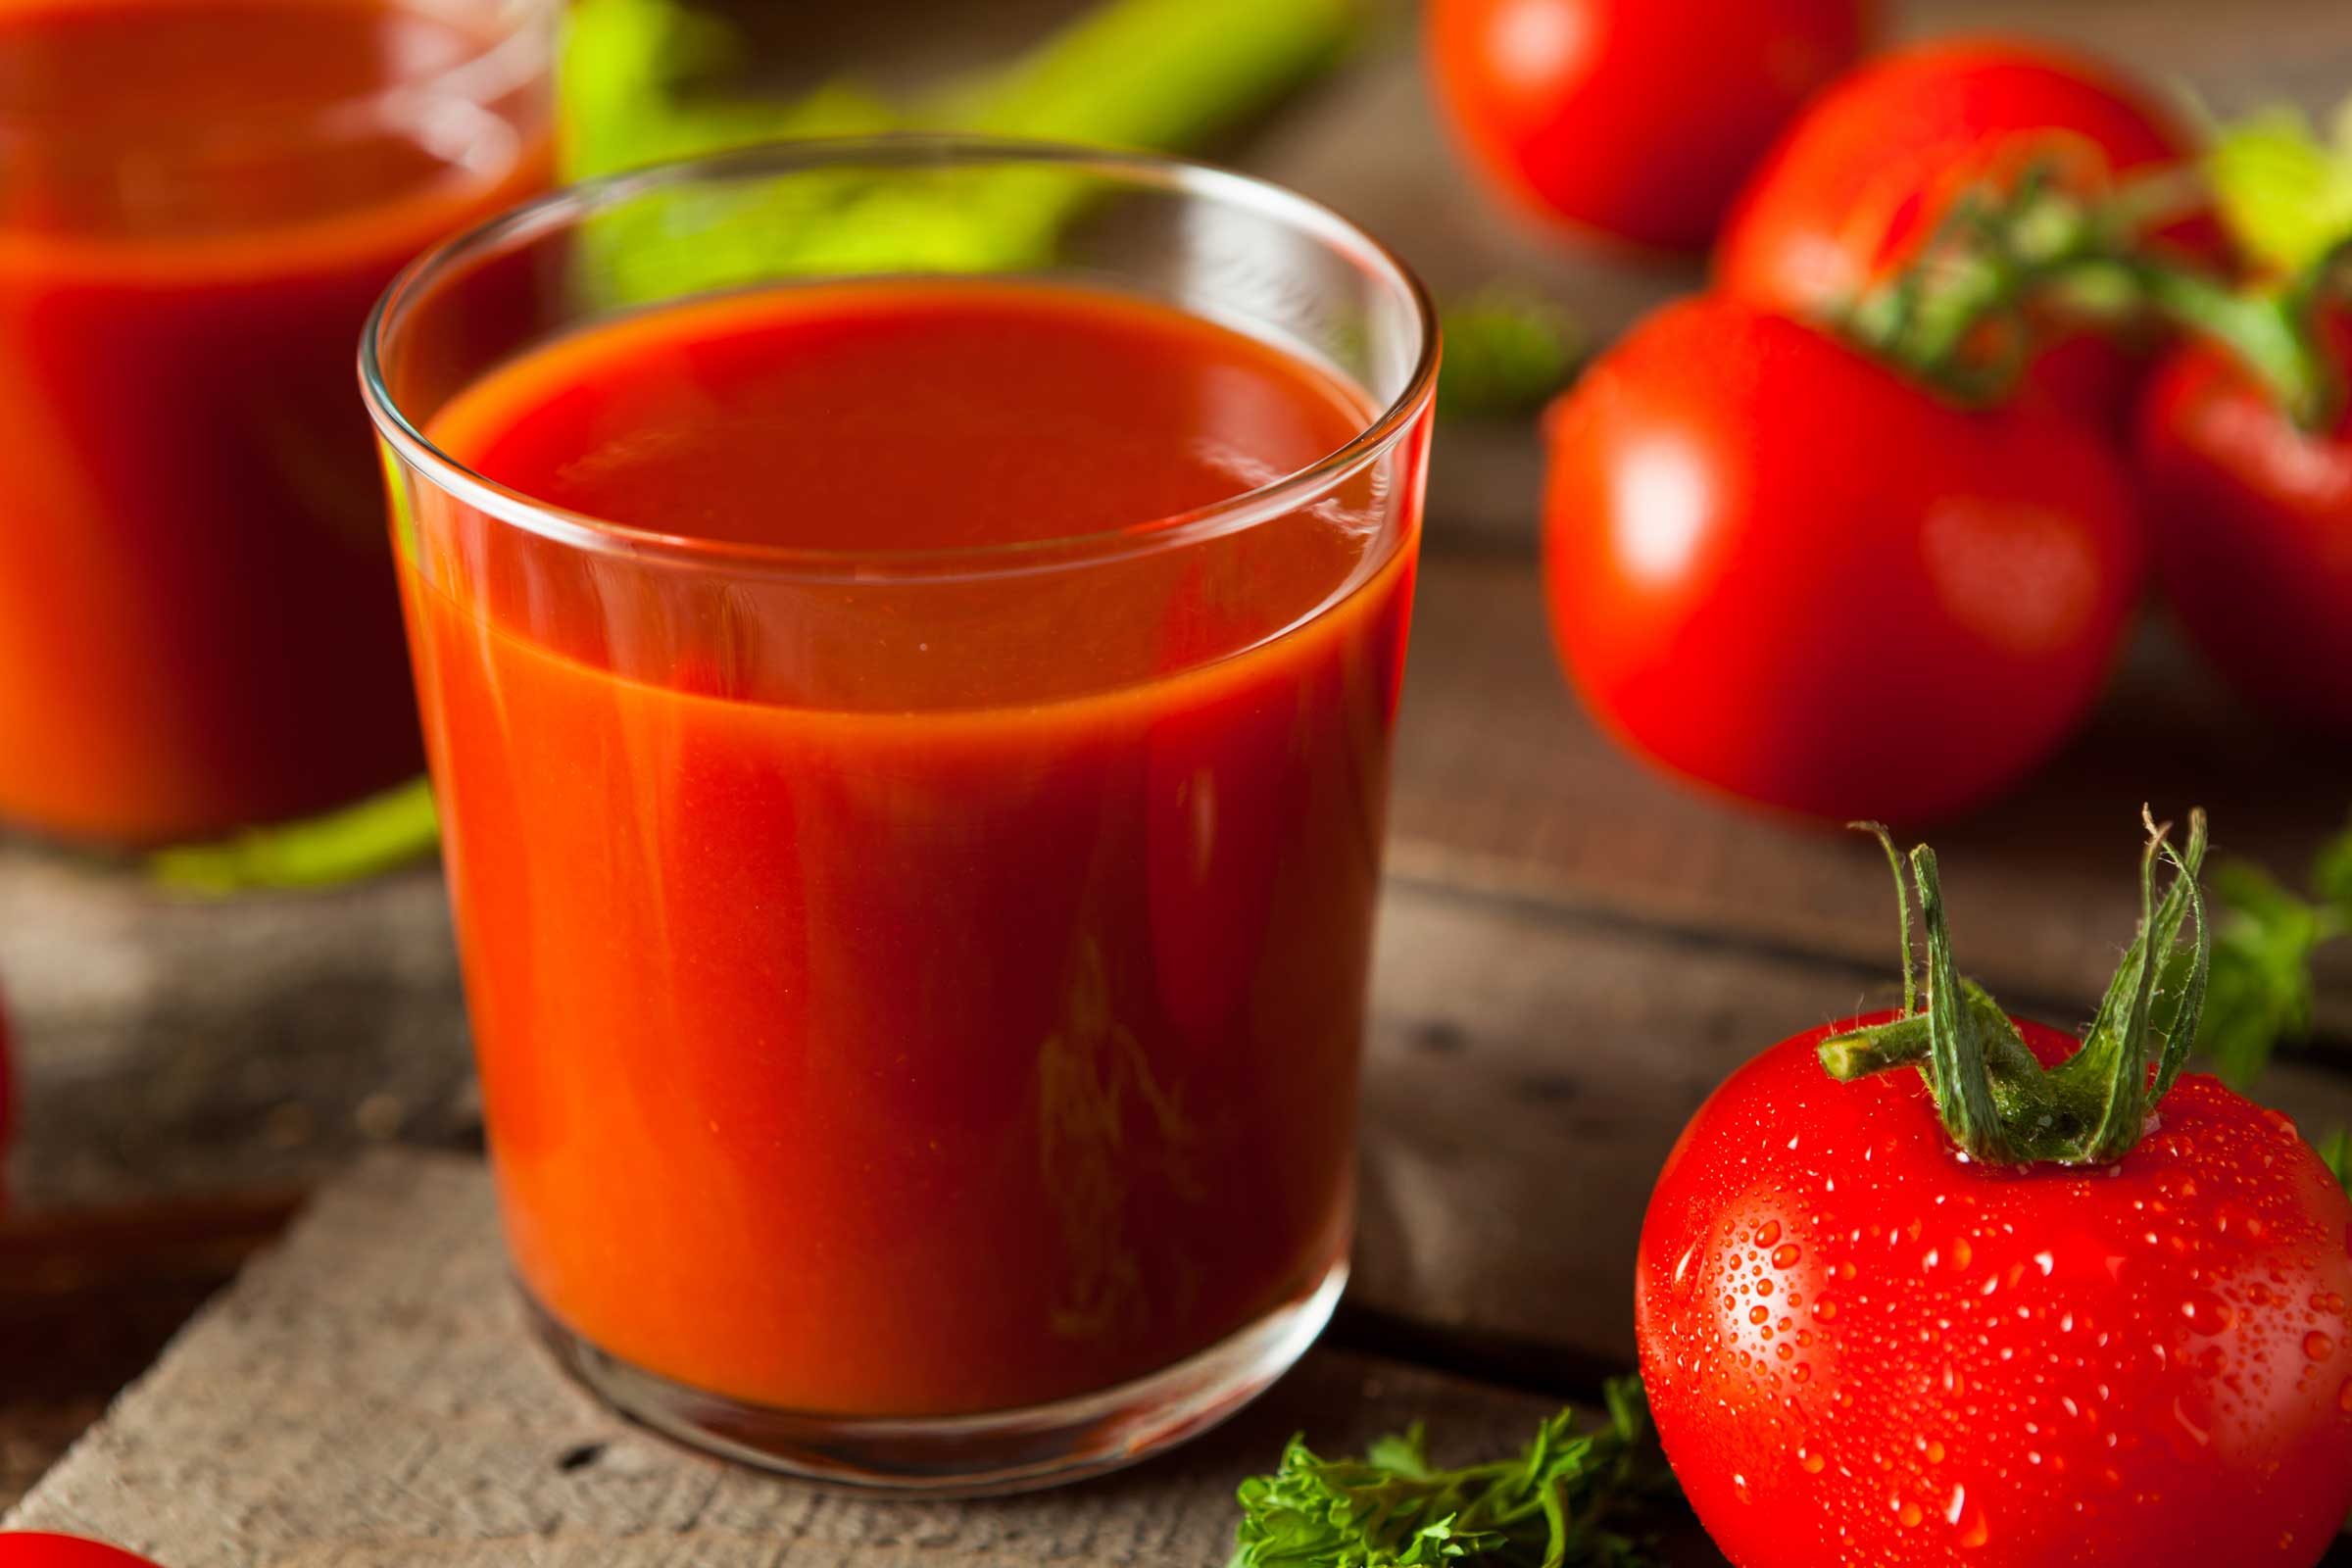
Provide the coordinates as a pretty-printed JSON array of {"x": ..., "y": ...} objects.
[
  {"x": 1276, "y": 498},
  {"x": 513, "y": 51}
]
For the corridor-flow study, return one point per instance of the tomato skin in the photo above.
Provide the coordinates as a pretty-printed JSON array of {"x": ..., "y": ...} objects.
[
  {"x": 35, "y": 1548},
  {"x": 1863, "y": 176},
  {"x": 2252, "y": 524},
  {"x": 2148, "y": 1364},
  {"x": 1635, "y": 118},
  {"x": 1776, "y": 568}
]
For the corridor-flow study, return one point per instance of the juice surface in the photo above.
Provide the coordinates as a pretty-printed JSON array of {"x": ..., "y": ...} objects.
[
  {"x": 199, "y": 201},
  {"x": 913, "y": 995}
]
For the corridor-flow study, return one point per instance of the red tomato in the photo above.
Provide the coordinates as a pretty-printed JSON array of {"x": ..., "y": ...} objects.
[
  {"x": 1862, "y": 1348},
  {"x": 34, "y": 1548},
  {"x": 1863, "y": 177},
  {"x": 1636, "y": 117},
  {"x": 1780, "y": 569},
  {"x": 2252, "y": 522}
]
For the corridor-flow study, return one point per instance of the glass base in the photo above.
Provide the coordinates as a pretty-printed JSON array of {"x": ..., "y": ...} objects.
[{"x": 971, "y": 1455}]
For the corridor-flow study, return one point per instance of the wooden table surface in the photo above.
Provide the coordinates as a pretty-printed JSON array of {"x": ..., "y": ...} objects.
[{"x": 1572, "y": 952}]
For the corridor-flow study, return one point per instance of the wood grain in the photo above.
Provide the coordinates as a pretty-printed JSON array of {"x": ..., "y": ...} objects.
[
  {"x": 1503, "y": 784},
  {"x": 168, "y": 1047},
  {"x": 367, "y": 1395}
]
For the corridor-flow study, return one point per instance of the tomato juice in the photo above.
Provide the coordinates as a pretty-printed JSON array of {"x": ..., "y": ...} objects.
[
  {"x": 199, "y": 201},
  {"x": 913, "y": 840}
]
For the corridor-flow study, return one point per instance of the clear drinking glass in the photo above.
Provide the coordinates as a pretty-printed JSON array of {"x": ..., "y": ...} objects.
[
  {"x": 199, "y": 201},
  {"x": 919, "y": 1040}
]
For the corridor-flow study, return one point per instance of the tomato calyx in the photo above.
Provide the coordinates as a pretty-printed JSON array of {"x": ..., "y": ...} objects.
[
  {"x": 2058, "y": 238},
  {"x": 2055, "y": 237},
  {"x": 2273, "y": 329},
  {"x": 1995, "y": 1098}
]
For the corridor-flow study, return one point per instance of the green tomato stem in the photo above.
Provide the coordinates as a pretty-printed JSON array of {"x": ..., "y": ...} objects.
[{"x": 1994, "y": 1097}]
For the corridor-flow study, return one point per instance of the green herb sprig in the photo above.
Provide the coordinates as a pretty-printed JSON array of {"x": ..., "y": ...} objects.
[
  {"x": 1563, "y": 1501},
  {"x": 1507, "y": 350},
  {"x": 2264, "y": 938}
]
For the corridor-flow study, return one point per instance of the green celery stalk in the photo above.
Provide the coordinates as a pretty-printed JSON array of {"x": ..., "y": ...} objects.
[
  {"x": 1158, "y": 75},
  {"x": 376, "y": 835},
  {"x": 1155, "y": 74}
]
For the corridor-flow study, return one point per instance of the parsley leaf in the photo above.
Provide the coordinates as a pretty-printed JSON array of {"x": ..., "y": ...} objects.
[
  {"x": 1559, "y": 1504},
  {"x": 2265, "y": 936}
]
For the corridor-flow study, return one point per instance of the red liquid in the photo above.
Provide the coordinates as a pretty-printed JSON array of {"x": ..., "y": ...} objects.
[
  {"x": 914, "y": 999},
  {"x": 198, "y": 627}
]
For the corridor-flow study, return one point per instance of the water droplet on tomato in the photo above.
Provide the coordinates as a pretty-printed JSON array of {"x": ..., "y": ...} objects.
[
  {"x": 1758, "y": 1313},
  {"x": 1785, "y": 1256},
  {"x": 1768, "y": 1233},
  {"x": 2318, "y": 1347},
  {"x": 1909, "y": 1512},
  {"x": 1812, "y": 1463},
  {"x": 2208, "y": 1313},
  {"x": 2343, "y": 1398}
]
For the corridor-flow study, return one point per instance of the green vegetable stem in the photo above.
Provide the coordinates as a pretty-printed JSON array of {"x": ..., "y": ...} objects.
[
  {"x": 379, "y": 834},
  {"x": 647, "y": 81}
]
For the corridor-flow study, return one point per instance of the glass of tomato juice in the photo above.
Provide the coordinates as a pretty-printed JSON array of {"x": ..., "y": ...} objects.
[
  {"x": 908, "y": 634},
  {"x": 199, "y": 201}
]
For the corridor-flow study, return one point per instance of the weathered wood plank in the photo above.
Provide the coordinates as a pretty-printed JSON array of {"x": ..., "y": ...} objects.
[
  {"x": 168, "y": 1046},
  {"x": 1503, "y": 784},
  {"x": 367, "y": 1395},
  {"x": 86, "y": 1302}
]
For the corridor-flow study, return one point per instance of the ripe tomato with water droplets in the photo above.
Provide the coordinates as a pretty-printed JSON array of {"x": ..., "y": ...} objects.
[
  {"x": 1863, "y": 1348},
  {"x": 36, "y": 1548}
]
